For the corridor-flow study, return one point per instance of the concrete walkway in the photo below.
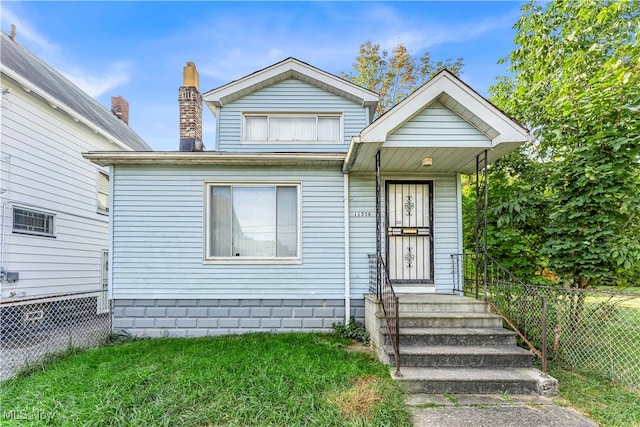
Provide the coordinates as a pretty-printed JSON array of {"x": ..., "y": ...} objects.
[{"x": 437, "y": 410}]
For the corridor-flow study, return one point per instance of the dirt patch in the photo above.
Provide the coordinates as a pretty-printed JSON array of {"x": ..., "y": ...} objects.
[
  {"x": 358, "y": 347},
  {"x": 361, "y": 399}
]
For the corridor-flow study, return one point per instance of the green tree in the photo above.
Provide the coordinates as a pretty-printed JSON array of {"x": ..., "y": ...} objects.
[
  {"x": 576, "y": 83},
  {"x": 394, "y": 75},
  {"x": 516, "y": 217}
]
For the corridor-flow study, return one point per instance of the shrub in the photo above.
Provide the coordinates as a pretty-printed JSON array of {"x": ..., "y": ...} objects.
[{"x": 353, "y": 330}]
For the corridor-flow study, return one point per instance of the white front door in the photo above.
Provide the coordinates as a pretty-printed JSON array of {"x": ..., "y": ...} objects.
[{"x": 410, "y": 234}]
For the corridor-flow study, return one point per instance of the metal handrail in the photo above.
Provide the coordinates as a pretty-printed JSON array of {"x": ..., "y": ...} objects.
[
  {"x": 496, "y": 273},
  {"x": 387, "y": 296}
]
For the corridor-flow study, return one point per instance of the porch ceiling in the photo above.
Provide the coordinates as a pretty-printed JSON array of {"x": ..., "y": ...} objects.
[{"x": 409, "y": 159}]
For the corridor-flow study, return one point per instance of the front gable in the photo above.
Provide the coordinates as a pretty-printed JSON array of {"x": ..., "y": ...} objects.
[
  {"x": 287, "y": 69},
  {"x": 289, "y": 107},
  {"x": 436, "y": 126},
  {"x": 444, "y": 121}
]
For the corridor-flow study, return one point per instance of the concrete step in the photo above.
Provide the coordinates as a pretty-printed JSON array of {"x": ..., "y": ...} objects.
[
  {"x": 463, "y": 356},
  {"x": 439, "y": 303},
  {"x": 453, "y": 336},
  {"x": 471, "y": 381},
  {"x": 447, "y": 320}
]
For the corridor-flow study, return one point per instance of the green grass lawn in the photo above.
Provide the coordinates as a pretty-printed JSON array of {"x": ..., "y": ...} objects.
[
  {"x": 241, "y": 380},
  {"x": 609, "y": 404}
]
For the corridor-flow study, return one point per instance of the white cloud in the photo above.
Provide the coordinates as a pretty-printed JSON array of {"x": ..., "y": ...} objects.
[
  {"x": 419, "y": 36},
  {"x": 95, "y": 85},
  {"x": 24, "y": 31},
  {"x": 117, "y": 74}
]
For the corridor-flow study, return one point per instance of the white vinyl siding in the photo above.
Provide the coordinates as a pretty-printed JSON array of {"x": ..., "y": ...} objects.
[
  {"x": 435, "y": 126},
  {"x": 43, "y": 170},
  {"x": 363, "y": 236},
  {"x": 284, "y": 98},
  {"x": 159, "y": 225},
  {"x": 252, "y": 221}
]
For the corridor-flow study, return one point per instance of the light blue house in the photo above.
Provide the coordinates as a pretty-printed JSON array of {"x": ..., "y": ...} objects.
[{"x": 281, "y": 225}]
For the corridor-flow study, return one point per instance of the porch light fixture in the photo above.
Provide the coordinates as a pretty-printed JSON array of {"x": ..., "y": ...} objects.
[{"x": 427, "y": 162}]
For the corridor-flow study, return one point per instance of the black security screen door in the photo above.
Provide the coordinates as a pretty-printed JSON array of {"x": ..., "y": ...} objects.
[{"x": 410, "y": 232}]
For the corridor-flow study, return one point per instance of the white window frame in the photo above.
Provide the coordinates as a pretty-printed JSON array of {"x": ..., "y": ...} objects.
[
  {"x": 99, "y": 209},
  {"x": 52, "y": 218},
  {"x": 208, "y": 259},
  {"x": 339, "y": 116}
]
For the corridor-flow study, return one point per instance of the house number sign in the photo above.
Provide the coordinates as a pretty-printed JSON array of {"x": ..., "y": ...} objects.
[{"x": 362, "y": 214}]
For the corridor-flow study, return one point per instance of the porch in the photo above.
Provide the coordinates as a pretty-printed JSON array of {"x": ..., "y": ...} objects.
[
  {"x": 438, "y": 340},
  {"x": 448, "y": 343}
]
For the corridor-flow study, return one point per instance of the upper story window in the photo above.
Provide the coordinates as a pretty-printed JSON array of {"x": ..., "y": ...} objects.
[
  {"x": 292, "y": 128},
  {"x": 28, "y": 221},
  {"x": 103, "y": 192}
]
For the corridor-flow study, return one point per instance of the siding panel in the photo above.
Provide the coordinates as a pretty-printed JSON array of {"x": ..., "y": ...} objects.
[
  {"x": 42, "y": 168},
  {"x": 158, "y": 246},
  {"x": 434, "y": 126},
  {"x": 289, "y": 96}
]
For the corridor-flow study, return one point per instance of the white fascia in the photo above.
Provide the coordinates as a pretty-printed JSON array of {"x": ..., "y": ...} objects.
[{"x": 56, "y": 104}]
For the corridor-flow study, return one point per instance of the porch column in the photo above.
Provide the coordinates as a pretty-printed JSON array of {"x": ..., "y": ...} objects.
[
  {"x": 482, "y": 201},
  {"x": 378, "y": 230}
]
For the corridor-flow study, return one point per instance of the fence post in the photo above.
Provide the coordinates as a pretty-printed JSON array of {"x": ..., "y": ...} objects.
[{"x": 544, "y": 335}]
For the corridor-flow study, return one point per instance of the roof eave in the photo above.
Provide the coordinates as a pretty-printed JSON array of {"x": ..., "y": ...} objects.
[
  {"x": 386, "y": 124},
  {"x": 56, "y": 103},
  {"x": 105, "y": 158},
  {"x": 288, "y": 68}
]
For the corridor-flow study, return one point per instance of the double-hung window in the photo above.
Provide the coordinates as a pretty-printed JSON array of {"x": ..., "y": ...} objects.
[
  {"x": 29, "y": 221},
  {"x": 292, "y": 127},
  {"x": 253, "y": 221},
  {"x": 103, "y": 192}
]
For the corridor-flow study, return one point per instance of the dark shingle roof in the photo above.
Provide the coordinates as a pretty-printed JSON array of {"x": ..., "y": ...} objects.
[{"x": 42, "y": 76}]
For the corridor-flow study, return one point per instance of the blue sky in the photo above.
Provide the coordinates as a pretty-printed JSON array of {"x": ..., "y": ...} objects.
[{"x": 138, "y": 49}]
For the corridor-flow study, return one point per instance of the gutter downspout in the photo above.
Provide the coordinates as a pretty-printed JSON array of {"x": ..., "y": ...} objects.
[
  {"x": 4, "y": 205},
  {"x": 112, "y": 183},
  {"x": 347, "y": 249}
]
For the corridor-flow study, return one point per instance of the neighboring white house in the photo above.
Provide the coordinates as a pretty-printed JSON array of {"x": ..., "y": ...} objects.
[
  {"x": 276, "y": 228},
  {"x": 54, "y": 203}
]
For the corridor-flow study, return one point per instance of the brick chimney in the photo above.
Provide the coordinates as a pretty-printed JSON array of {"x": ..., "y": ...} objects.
[
  {"x": 190, "y": 103},
  {"x": 120, "y": 108}
]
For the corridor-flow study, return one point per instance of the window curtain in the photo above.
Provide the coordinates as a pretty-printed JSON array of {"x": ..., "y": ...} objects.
[
  {"x": 328, "y": 128},
  {"x": 287, "y": 221},
  {"x": 220, "y": 212},
  {"x": 254, "y": 225},
  {"x": 292, "y": 128},
  {"x": 255, "y": 128},
  {"x": 258, "y": 222}
]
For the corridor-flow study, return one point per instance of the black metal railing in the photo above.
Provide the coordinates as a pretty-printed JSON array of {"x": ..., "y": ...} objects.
[
  {"x": 519, "y": 304},
  {"x": 387, "y": 296}
]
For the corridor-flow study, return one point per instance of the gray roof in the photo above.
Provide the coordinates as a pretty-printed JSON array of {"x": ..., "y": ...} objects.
[{"x": 42, "y": 76}]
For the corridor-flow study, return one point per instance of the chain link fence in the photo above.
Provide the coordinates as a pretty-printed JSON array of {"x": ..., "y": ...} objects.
[
  {"x": 31, "y": 330},
  {"x": 591, "y": 330}
]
